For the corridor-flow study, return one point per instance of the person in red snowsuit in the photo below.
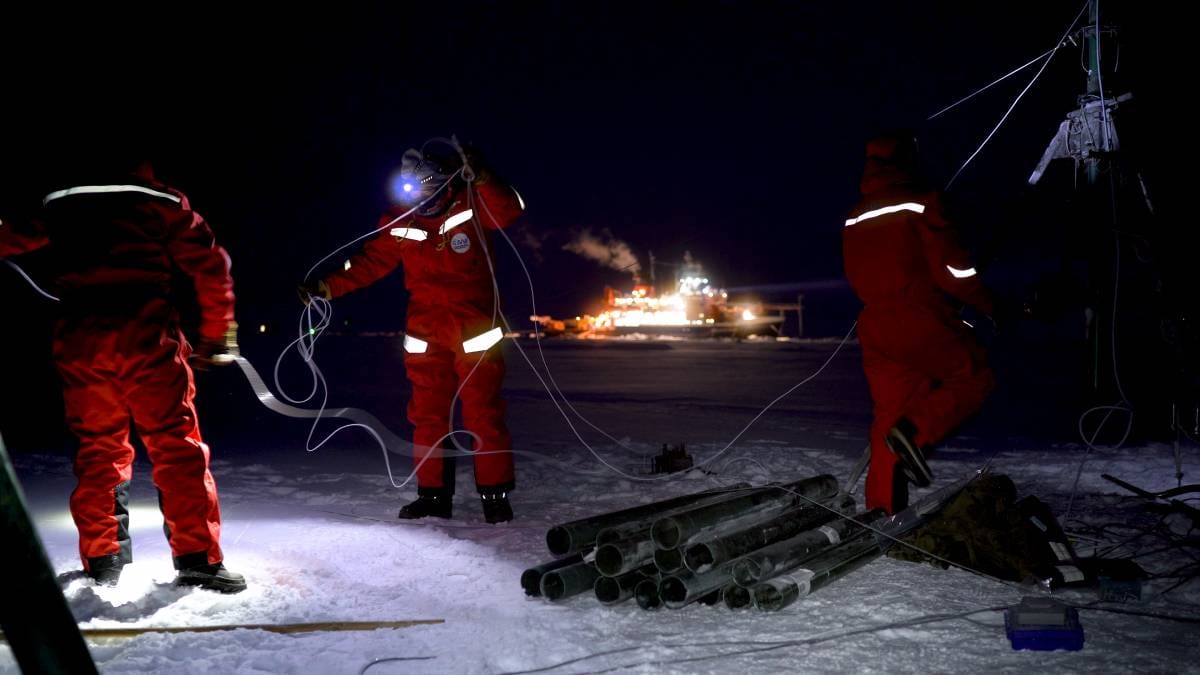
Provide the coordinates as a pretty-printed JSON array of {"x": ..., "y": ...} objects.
[
  {"x": 123, "y": 360},
  {"x": 444, "y": 244},
  {"x": 926, "y": 371}
]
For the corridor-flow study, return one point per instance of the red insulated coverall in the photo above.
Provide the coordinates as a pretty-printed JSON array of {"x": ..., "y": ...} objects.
[
  {"x": 123, "y": 358},
  {"x": 451, "y": 301},
  {"x": 922, "y": 362}
]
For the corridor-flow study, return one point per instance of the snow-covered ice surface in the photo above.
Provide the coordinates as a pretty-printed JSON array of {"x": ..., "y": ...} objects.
[{"x": 316, "y": 534}]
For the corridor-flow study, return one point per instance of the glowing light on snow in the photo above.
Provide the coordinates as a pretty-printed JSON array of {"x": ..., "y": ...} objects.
[
  {"x": 141, "y": 517},
  {"x": 139, "y": 583}
]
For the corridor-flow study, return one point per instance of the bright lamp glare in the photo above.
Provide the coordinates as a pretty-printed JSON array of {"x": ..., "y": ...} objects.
[{"x": 402, "y": 188}]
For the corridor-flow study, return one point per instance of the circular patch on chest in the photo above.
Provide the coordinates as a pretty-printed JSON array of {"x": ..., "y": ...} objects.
[{"x": 460, "y": 242}]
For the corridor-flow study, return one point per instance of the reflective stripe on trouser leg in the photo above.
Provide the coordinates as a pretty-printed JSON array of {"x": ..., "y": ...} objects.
[
  {"x": 483, "y": 341},
  {"x": 414, "y": 345}
]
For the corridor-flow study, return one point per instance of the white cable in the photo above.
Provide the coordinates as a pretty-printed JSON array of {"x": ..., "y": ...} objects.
[
  {"x": 1019, "y": 97},
  {"x": 29, "y": 280},
  {"x": 1123, "y": 405},
  {"x": 537, "y": 337},
  {"x": 1100, "y": 82},
  {"x": 495, "y": 310},
  {"x": 754, "y": 646},
  {"x": 989, "y": 86},
  {"x": 364, "y": 420},
  {"x": 730, "y": 444},
  {"x": 305, "y": 344},
  {"x": 310, "y": 331}
]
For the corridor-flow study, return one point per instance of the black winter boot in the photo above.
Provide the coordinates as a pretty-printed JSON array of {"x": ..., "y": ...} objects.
[
  {"x": 430, "y": 502},
  {"x": 211, "y": 577},
  {"x": 496, "y": 508},
  {"x": 902, "y": 440},
  {"x": 105, "y": 570}
]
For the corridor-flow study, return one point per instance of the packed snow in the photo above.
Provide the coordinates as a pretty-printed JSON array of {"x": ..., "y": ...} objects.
[{"x": 317, "y": 537}]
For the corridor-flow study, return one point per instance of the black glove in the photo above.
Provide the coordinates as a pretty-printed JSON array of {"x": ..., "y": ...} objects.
[
  {"x": 477, "y": 170},
  {"x": 216, "y": 352},
  {"x": 308, "y": 289}
]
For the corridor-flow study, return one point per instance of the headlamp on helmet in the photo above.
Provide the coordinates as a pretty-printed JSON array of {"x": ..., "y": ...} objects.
[{"x": 422, "y": 179}]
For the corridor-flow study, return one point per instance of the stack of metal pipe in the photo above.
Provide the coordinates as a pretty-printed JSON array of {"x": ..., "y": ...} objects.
[{"x": 763, "y": 547}]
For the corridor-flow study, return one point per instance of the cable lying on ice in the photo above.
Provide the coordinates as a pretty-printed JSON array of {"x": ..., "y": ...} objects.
[
  {"x": 752, "y": 646},
  {"x": 389, "y": 659}
]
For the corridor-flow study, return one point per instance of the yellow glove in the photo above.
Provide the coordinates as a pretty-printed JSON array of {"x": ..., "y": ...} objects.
[
  {"x": 307, "y": 290},
  {"x": 217, "y": 353}
]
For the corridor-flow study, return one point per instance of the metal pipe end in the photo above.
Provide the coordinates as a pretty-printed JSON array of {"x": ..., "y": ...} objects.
[
  {"x": 531, "y": 581},
  {"x": 666, "y": 533},
  {"x": 608, "y": 590},
  {"x": 673, "y": 590},
  {"x": 668, "y": 560},
  {"x": 553, "y": 586},
  {"x": 747, "y": 572},
  {"x": 775, "y": 594},
  {"x": 699, "y": 558},
  {"x": 736, "y": 597},
  {"x": 609, "y": 560},
  {"x": 558, "y": 540},
  {"x": 765, "y": 597},
  {"x": 646, "y": 594}
]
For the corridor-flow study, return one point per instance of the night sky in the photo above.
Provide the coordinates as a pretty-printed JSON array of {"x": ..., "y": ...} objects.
[{"x": 733, "y": 130}]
